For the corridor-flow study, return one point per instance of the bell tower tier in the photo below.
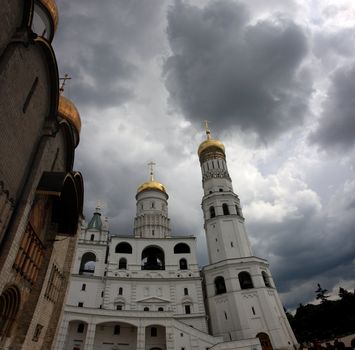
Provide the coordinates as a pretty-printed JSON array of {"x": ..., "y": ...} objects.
[
  {"x": 152, "y": 219},
  {"x": 241, "y": 296},
  {"x": 223, "y": 217}
]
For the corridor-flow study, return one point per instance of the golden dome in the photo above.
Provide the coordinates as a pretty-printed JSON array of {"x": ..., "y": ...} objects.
[
  {"x": 51, "y": 7},
  {"x": 68, "y": 111},
  {"x": 210, "y": 143},
  {"x": 151, "y": 185}
]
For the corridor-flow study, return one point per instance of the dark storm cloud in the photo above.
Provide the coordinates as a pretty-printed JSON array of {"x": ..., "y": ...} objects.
[
  {"x": 95, "y": 44},
  {"x": 314, "y": 247},
  {"x": 336, "y": 129},
  {"x": 234, "y": 73}
]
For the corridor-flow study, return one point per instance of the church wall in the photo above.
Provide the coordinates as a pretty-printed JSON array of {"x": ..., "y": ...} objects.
[{"x": 11, "y": 13}]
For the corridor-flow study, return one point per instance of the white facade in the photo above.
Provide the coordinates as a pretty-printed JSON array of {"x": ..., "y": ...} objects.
[{"x": 145, "y": 291}]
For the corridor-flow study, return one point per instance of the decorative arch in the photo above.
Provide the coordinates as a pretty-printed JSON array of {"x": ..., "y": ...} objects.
[
  {"x": 87, "y": 265},
  {"x": 183, "y": 264},
  {"x": 264, "y": 341},
  {"x": 212, "y": 212},
  {"x": 122, "y": 264},
  {"x": 10, "y": 301},
  {"x": 220, "y": 285},
  {"x": 153, "y": 258},
  {"x": 123, "y": 248},
  {"x": 225, "y": 209},
  {"x": 181, "y": 248},
  {"x": 245, "y": 280},
  {"x": 266, "y": 279}
]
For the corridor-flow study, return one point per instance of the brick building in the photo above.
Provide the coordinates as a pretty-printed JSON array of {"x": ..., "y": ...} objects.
[{"x": 41, "y": 197}]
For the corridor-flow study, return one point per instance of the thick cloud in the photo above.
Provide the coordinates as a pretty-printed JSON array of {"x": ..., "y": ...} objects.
[
  {"x": 236, "y": 73},
  {"x": 336, "y": 127}
]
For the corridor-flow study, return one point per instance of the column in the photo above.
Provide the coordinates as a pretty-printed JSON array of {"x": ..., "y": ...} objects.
[
  {"x": 90, "y": 337},
  {"x": 140, "y": 337},
  {"x": 62, "y": 335}
]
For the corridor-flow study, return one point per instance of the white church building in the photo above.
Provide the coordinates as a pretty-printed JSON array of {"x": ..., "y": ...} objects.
[{"x": 146, "y": 291}]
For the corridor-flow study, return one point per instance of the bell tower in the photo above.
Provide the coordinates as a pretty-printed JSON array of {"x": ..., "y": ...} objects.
[{"x": 242, "y": 299}]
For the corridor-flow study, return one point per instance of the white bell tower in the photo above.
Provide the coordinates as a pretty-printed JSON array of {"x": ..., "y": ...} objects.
[{"x": 242, "y": 299}]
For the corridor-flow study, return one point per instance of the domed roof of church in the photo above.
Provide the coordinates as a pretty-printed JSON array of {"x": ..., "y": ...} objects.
[
  {"x": 210, "y": 144},
  {"x": 52, "y": 9},
  {"x": 151, "y": 185},
  {"x": 68, "y": 111}
]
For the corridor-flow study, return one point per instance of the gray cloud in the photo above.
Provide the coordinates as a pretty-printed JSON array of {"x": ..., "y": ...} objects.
[
  {"x": 234, "y": 73},
  {"x": 336, "y": 129}
]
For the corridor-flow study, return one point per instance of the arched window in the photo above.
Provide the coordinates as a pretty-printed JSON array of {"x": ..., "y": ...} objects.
[
  {"x": 153, "y": 258},
  {"x": 212, "y": 212},
  {"x": 117, "y": 329},
  {"x": 124, "y": 248},
  {"x": 266, "y": 279},
  {"x": 181, "y": 248},
  {"x": 245, "y": 280},
  {"x": 146, "y": 308},
  {"x": 122, "y": 264},
  {"x": 225, "y": 209},
  {"x": 9, "y": 306},
  {"x": 220, "y": 285},
  {"x": 88, "y": 262},
  {"x": 160, "y": 309},
  {"x": 81, "y": 328},
  {"x": 153, "y": 331},
  {"x": 120, "y": 291},
  {"x": 183, "y": 264}
]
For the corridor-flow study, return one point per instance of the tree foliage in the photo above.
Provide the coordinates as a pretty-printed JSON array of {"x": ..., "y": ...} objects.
[{"x": 327, "y": 320}]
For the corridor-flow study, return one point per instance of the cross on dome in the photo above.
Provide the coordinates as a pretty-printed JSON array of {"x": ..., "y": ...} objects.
[
  {"x": 66, "y": 77},
  {"x": 208, "y": 131},
  {"x": 151, "y": 173}
]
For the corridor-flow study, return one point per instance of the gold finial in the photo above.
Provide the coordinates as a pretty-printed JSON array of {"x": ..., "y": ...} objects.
[
  {"x": 151, "y": 165},
  {"x": 66, "y": 77},
  {"x": 208, "y": 131}
]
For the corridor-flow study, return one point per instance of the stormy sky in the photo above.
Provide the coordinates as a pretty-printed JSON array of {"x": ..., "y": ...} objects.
[{"x": 275, "y": 79}]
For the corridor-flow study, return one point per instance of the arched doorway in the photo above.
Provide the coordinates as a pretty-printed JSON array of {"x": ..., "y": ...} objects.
[
  {"x": 9, "y": 306},
  {"x": 76, "y": 334},
  {"x": 155, "y": 338},
  {"x": 264, "y": 341}
]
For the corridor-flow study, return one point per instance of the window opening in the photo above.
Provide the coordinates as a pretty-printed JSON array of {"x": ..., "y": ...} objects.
[
  {"x": 220, "y": 286},
  {"x": 212, "y": 212},
  {"x": 225, "y": 209},
  {"x": 80, "y": 328},
  {"x": 186, "y": 291},
  {"x": 154, "y": 332},
  {"x": 187, "y": 309},
  {"x": 117, "y": 330}
]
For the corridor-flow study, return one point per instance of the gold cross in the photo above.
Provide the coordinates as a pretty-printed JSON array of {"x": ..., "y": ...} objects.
[
  {"x": 151, "y": 165},
  {"x": 208, "y": 131},
  {"x": 66, "y": 77}
]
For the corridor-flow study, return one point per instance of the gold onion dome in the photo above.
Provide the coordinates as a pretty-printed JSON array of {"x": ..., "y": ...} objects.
[
  {"x": 52, "y": 9},
  {"x": 151, "y": 185},
  {"x": 210, "y": 144},
  {"x": 69, "y": 112}
]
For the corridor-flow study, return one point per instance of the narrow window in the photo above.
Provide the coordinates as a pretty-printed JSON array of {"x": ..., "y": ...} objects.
[
  {"x": 183, "y": 264},
  {"x": 187, "y": 309},
  {"x": 154, "y": 332},
  {"x": 83, "y": 286},
  {"x": 92, "y": 237},
  {"x": 253, "y": 310},
  {"x": 153, "y": 205},
  {"x": 225, "y": 209},
  {"x": 232, "y": 245},
  {"x": 212, "y": 212},
  {"x": 117, "y": 330},
  {"x": 102, "y": 294},
  {"x": 225, "y": 315},
  {"x": 220, "y": 286},
  {"x": 186, "y": 291},
  {"x": 212, "y": 164},
  {"x": 81, "y": 328},
  {"x": 120, "y": 291},
  {"x": 122, "y": 265},
  {"x": 80, "y": 304},
  {"x": 266, "y": 279},
  {"x": 152, "y": 232}
]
